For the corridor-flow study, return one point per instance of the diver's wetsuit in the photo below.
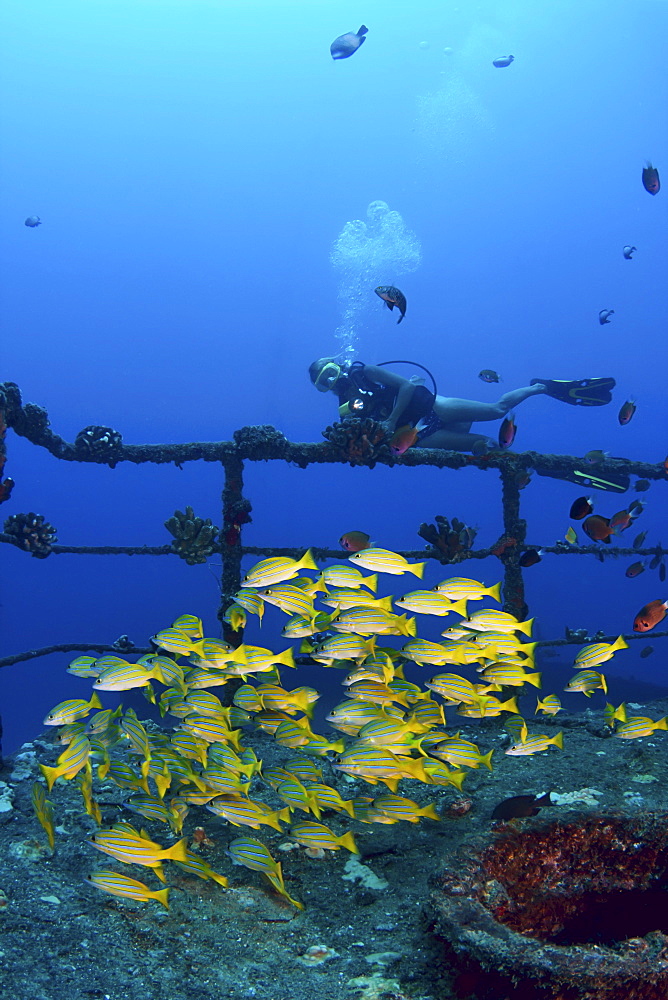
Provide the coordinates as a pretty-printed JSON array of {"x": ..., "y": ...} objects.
[{"x": 366, "y": 398}]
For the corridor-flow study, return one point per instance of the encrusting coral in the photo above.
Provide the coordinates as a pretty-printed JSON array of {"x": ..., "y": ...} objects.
[
  {"x": 102, "y": 444},
  {"x": 358, "y": 440}
]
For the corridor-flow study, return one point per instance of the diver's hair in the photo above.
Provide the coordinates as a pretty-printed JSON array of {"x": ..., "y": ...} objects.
[{"x": 316, "y": 367}]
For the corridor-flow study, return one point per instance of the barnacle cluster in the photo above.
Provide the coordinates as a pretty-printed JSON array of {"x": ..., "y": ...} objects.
[
  {"x": 576, "y": 909},
  {"x": 101, "y": 444},
  {"x": 123, "y": 644},
  {"x": 358, "y": 440},
  {"x": 33, "y": 533},
  {"x": 194, "y": 537},
  {"x": 255, "y": 438},
  {"x": 451, "y": 541}
]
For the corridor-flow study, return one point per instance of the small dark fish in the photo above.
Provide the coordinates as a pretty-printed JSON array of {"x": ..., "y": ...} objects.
[
  {"x": 487, "y": 375},
  {"x": 595, "y": 456},
  {"x": 355, "y": 541},
  {"x": 392, "y": 297},
  {"x": 662, "y": 572},
  {"x": 646, "y": 651},
  {"x": 628, "y": 252},
  {"x": 346, "y": 45},
  {"x": 522, "y": 479},
  {"x": 639, "y": 539},
  {"x": 650, "y": 179},
  {"x": 32, "y": 221},
  {"x": 520, "y": 806},
  {"x": 636, "y": 507},
  {"x": 580, "y": 508},
  {"x": 635, "y": 569},
  {"x": 598, "y": 528},
  {"x": 642, "y": 485},
  {"x": 649, "y": 616},
  {"x": 627, "y": 411},
  {"x": 604, "y": 316},
  {"x": 530, "y": 557},
  {"x": 507, "y": 431},
  {"x": 656, "y": 559},
  {"x": 503, "y": 61}
]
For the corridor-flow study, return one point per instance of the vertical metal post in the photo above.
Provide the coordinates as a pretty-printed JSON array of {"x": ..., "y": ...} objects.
[
  {"x": 236, "y": 512},
  {"x": 515, "y": 529}
]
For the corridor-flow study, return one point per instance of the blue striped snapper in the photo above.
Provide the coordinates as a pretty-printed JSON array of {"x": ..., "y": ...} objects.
[
  {"x": 428, "y": 602},
  {"x": 277, "y": 570},
  {"x": 385, "y": 561},
  {"x": 348, "y": 576},
  {"x": 130, "y": 888},
  {"x": 374, "y": 621},
  {"x": 43, "y": 809},
  {"x": 69, "y": 711},
  {"x": 459, "y": 587}
]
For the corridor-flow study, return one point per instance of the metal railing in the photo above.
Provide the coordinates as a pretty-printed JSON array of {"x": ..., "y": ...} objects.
[{"x": 104, "y": 446}]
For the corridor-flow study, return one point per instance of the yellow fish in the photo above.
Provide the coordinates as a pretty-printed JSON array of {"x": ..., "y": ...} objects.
[
  {"x": 277, "y": 570},
  {"x": 384, "y": 561}
]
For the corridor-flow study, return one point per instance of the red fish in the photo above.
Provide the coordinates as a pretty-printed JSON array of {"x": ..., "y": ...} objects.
[
  {"x": 355, "y": 541},
  {"x": 507, "y": 431},
  {"x": 650, "y": 179},
  {"x": 620, "y": 521},
  {"x": 627, "y": 411},
  {"x": 530, "y": 557},
  {"x": 403, "y": 439},
  {"x": 649, "y": 616},
  {"x": 635, "y": 569},
  {"x": 598, "y": 528},
  {"x": 580, "y": 508}
]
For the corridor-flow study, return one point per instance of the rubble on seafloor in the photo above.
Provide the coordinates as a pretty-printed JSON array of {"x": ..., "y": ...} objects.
[{"x": 453, "y": 910}]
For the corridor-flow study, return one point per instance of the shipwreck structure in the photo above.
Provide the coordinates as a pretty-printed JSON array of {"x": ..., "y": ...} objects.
[{"x": 357, "y": 442}]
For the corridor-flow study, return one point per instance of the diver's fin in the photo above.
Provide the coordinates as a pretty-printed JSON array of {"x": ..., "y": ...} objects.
[
  {"x": 611, "y": 482},
  {"x": 579, "y": 392}
]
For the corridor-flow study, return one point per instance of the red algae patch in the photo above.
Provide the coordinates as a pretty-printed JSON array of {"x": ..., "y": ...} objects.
[{"x": 569, "y": 911}]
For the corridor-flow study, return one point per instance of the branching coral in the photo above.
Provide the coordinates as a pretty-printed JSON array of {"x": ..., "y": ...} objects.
[
  {"x": 451, "y": 541},
  {"x": 194, "y": 538}
]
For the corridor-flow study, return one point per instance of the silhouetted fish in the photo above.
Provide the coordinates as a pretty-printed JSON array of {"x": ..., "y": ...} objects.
[
  {"x": 520, "y": 806},
  {"x": 346, "y": 45},
  {"x": 650, "y": 179}
]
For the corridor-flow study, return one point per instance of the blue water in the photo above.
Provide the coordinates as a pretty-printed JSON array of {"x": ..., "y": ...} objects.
[{"x": 193, "y": 166}]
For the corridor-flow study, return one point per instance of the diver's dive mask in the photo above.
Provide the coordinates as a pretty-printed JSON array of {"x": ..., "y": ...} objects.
[{"x": 328, "y": 376}]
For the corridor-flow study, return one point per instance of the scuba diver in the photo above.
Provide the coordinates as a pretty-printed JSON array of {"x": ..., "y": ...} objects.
[{"x": 442, "y": 421}]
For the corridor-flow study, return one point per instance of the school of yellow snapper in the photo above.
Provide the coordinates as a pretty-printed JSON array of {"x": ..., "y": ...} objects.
[{"x": 390, "y": 728}]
